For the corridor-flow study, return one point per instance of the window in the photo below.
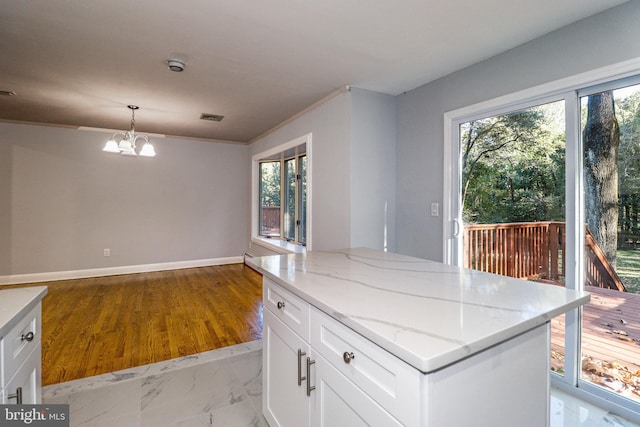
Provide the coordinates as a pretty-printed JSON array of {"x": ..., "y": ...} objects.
[
  {"x": 282, "y": 196},
  {"x": 270, "y": 198},
  {"x": 559, "y": 170}
]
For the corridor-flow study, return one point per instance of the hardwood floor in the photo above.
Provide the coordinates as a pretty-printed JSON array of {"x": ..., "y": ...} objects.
[{"x": 104, "y": 324}]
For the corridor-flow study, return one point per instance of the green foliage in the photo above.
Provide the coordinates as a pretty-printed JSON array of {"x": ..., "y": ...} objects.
[
  {"x": 514, "y": 164},
  {"x": 513, "y": 167},
  {"x": 270, "y": 183},
  {"x": 628, "y": 115},
  {"x": 628, "y": 268}
]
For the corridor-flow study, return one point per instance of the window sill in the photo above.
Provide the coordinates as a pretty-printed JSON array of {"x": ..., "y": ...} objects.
[{"x": 279, "y": 246}]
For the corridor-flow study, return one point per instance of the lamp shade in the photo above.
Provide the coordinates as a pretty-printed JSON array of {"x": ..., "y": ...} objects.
[
  {"x": 111, "y": 146},
  {"x": 147, "y": 150},
  {"x": 126, "y": 147}
]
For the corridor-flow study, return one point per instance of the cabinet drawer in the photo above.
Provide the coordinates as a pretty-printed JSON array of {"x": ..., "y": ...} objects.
[
  {"x": 290, "y": 309},
  {"x": 19, "y": 343},
  {"x": 386, "y": 379}
]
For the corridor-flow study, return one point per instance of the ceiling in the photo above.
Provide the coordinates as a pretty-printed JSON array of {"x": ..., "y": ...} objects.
[{"x": 79, "y": 63}]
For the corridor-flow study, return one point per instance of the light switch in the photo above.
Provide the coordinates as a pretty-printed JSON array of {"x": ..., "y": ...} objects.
[{"x": 435, "y": 209}]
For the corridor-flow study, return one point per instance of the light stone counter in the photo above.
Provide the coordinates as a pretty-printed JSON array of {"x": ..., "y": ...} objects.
[
  {"x": 426, "y": 313},
  {"x": 15, "y": 303}
]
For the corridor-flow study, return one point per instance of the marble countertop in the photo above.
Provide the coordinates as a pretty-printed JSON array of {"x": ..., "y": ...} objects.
[
  {"x": 17, "y": 302},
  {"x": 426, "y": 313}
]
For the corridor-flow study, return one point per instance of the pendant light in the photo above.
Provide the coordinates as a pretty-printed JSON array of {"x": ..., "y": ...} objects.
[{"x": 127, "y": 143}]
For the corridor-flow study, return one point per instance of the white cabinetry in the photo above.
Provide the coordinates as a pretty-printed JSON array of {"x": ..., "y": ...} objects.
[
  {"x": 285, "y": 399},
  {"x": 320, "y": 373},
  {"x": 371, "y": 381},
  {"x": 20, "y": 360},
  {"x": 285, "y": 338}
]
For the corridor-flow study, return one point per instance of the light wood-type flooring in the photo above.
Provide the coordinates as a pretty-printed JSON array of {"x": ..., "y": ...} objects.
[{"x": 104, "y": 324}]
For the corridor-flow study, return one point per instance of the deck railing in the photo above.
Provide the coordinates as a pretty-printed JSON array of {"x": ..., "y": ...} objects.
[
  {"x": 533, "y": 250},
  {"x": 270, "y": 221}
]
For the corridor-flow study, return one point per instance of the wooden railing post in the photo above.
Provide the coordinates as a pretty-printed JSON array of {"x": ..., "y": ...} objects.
[{"x": 554, "y": 241}]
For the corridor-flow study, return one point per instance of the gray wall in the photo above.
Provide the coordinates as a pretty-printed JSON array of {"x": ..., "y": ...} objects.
[
  {"x": 353, "y": 151},
  {"x": 373, "y": 183},
  {"x": 601, "y": 40},
  {"x": 63, "y": 201},
  {"x": 329, "y": 124},
  {"x": 5, "y": 206}
]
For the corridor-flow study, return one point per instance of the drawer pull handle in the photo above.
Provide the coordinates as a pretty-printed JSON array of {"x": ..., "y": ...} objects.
[
  {"x": 300, "y": 377},
  {"x": 310, "y": 388},
  {"x": 348, "y": 357},
  {"x": 27, "y": 337},
  {"x": 280, "y": 305},
  {"x": 17, "y": 395}
]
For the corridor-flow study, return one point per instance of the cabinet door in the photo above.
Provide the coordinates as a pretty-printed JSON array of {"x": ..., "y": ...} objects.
[
  {"x": 339, "y": 402},
  {"x": 285, "y": 402},
  {"x": 26, "y": 381}
]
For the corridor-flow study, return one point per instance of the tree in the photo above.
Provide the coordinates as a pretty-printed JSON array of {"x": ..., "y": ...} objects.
[
  {"x": 270, "y": 183},
  {"x": 601, "y": 136},
  {"x": 628, "y": 115},
  {"x": 513, "y": 166}
]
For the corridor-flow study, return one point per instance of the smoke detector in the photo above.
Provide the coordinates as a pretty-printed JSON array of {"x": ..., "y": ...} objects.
[{"x": 175, "y": 65}]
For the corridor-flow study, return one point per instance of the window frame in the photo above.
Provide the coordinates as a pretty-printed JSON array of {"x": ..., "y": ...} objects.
[{"x": 281, "y": 244}]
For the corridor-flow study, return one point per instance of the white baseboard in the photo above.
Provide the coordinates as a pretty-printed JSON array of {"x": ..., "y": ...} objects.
[{"x": 112, "y": 271}]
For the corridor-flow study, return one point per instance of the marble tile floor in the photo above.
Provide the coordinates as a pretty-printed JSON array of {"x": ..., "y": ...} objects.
[
  {"x": 220, "y": 388},
  {"x": 217, "y": 388}
]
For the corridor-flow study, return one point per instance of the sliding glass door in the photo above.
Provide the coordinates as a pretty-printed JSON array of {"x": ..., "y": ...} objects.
[
  {"x": 512, "y": 193},
  {"x": 548, "y": 190},
  {"x": 610, "y": 338}
]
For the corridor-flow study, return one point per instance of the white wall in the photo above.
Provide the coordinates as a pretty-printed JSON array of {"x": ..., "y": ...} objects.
[
  {"x": 63, "y": 200},
  {"x": 608, "y": 38}
]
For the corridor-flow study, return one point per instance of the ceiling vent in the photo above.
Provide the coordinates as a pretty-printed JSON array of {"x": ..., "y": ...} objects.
[
  {"x": 211, "y": 117},
  {"x": 7, "y": 93}
]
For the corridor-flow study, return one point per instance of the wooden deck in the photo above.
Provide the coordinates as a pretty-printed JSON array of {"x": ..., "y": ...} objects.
[{"x": 610, "y": 341}]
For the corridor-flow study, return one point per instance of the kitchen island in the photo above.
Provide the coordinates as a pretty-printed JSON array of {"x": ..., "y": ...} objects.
[
  {"x": 20, "y": 340},
  {"x": 365, "y": 337}
]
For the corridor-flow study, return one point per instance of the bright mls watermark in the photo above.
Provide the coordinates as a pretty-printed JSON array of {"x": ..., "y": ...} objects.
[{"x": 34, "y": 415}]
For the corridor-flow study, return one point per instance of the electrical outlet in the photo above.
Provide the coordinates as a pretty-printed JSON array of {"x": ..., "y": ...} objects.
[
  {"x": 435, "y": 209},
  {"x": 107, "y": 252}
]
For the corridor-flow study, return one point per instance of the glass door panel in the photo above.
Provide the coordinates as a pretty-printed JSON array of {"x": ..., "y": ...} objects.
[
  {"x": 270, "y": 198},
  {"x": 513, "y": 199},
  {"x": 302, "y": 200},
  {"x": 610, "y": 343},
  {"x": 290, "y": 199}
]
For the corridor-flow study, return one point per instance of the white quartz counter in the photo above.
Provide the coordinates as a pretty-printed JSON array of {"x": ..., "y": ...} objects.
[
  {"x": 426, "y": 313},
  {"x": 16, "y": 302}
]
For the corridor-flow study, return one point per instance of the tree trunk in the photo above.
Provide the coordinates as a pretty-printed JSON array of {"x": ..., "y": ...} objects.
[{"x": 601, "y": 140}]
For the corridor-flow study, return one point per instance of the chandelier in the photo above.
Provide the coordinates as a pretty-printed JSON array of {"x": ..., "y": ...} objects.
[{"x": 127, "y": 143}]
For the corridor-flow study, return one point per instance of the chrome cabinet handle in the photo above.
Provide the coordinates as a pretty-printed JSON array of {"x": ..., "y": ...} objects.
[
  {"x": 17, "y": 395},
  {"x": 310, "y": 388},
  {"x": 280, "y": 305},
  {"x": 300, "y": 377},
  {"x": 27, "y": 337},
  {"x": 348, "y": 357}
]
